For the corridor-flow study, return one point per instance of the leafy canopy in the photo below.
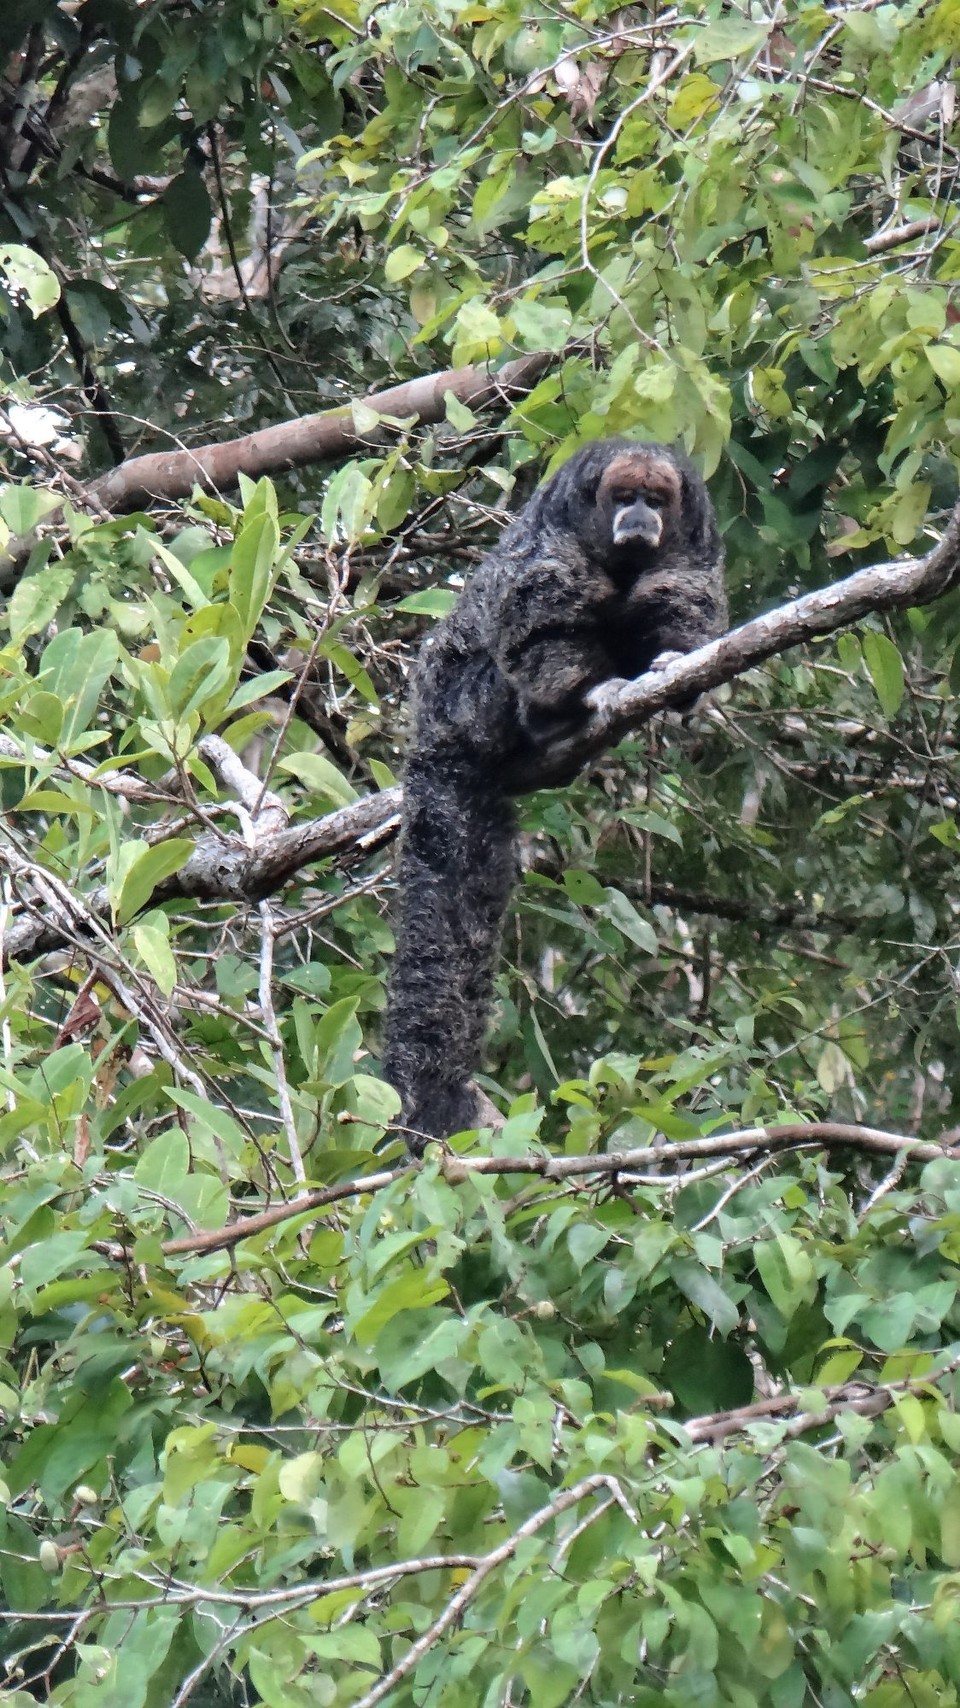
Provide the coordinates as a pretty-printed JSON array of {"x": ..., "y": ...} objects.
[{"x": 444, "y": 1439}]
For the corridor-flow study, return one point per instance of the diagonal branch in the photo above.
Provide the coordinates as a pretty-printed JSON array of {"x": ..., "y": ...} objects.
[
  {"x": 235, "y": 870},
  {"x": 857, "y": 1396},
  {"x": 324, "y": 437},
  {"x": 620, "y": 706},
  {"x": 249, "y": 870},
  {"x": 459, "y": 1602},
  {"x": 311, "y": 439}
]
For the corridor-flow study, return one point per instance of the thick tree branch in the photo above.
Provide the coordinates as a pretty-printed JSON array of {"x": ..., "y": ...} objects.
[
  {"x": 171, "y": 475},
  {"x": 758, "y": 915},
  {"x": 312, "y": 439},
  {"x": 222, "y": 869},
  {"x": 862, "y": 1397},
  {"x": 894, "y": 236}
]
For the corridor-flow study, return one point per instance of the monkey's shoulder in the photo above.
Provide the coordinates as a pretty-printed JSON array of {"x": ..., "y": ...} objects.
[{"x": 547, "y": 565}]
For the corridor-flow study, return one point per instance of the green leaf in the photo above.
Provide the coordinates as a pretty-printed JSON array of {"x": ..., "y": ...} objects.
[
  {"x": 401, "y": 262},
  {"x": 31, "y": 276},
  {"x": 211, "y": 1119},
  {"x": 253, "y": 569},
  {"x": 199, "y": 676},
  {"x": 148, "y": 869},
  {"x": 59, "y": 1252},
  {"x": 583, "y": 888},
  {"x": 152, "y": 938},
  {"x": 258, "y": 688},
  {"x": 478, "y": 334},
  {"x": 432, "y": 602},
  {"x": 909, "y": 512},
  {"x": 705, "y": 1292},
  {"x": 625, "y": 917},
  {"x": 320, "y": 776},
  {"x": 22, "y": 506},
  {"x": 944, "y": 359},
  {"x": 458, "y": 415},
  {"x": 707, "y": 1374},
  {"x": 187, "y": 210},
  {"x": 337, "y": 1040},
  {"x": 586, "y": 1243},
  {"x": 36, "y": 600},
  {"x": 541, "y": 325},
  {"x": 76, "y": 667},
  {"x": 350, "y": 667},
  {"x": 203, "y": 1201},
  {"x": 728, "y": 38},
  {"x": 786, "y": 1271},
  {"x": 348, "y": 505},
  {"x": 365, "y": 419},
  {"x": 833, "y": 1067},
  {"x": 949, "y": 1515},
  {"x": 195, "y": 592},
  {"x": 885, "y": 665},
  {"x": 410, "y": 1291},
  {"x": 164, "y": 1162}
]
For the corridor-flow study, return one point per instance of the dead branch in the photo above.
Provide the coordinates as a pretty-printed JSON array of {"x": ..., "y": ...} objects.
[
  {"x": 892, "y": 238},
  {"x": 217, "y": 468}
]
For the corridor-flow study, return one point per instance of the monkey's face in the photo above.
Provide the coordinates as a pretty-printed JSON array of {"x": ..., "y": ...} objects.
[
  {"x": 626, "y": 505},
  {"x": 637, "y": 504}
]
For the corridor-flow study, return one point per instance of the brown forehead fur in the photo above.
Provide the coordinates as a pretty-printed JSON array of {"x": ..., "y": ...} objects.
[{"x": 643, "y": 473}]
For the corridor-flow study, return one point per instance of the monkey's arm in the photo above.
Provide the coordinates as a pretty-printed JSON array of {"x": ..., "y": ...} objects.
[
  {"x": 548, "y": 642},
  {"x": 677, "y": 606}
]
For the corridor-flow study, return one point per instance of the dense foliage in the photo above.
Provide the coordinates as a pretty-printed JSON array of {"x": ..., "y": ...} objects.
[{"x": 460, "y": 1440}]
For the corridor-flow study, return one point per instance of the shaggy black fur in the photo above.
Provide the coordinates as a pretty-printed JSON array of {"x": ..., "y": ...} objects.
[{"x": 615, "y": 559}]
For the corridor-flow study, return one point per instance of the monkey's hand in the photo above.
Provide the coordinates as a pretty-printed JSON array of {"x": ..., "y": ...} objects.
[
  {"x": 681, "y": 709},
  {"x": 603, "y": 700}
]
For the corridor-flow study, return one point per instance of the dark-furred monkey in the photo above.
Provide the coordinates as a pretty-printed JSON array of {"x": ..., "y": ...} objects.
[{"x": 615, "y": 560}]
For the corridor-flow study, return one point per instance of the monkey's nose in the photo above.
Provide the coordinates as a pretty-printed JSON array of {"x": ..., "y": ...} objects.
[{"x": 637, "y": 522}]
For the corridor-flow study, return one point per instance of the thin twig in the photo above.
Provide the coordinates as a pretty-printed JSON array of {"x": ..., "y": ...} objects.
[{"x": 459, "y": 1602}]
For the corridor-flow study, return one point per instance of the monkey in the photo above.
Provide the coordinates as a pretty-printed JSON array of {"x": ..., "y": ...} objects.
[{"x": 615, "y": 561}]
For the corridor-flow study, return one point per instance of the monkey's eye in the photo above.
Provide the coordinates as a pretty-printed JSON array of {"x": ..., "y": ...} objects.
[{"x": 654, "y": 500}]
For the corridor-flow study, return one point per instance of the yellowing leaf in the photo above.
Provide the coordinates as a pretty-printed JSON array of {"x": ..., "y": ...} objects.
[
  {"x": 365, "y": 419},
  {"x": 400, "y": 263},
  {"x": 320, "y": 776},
  {"x": 944, "y": 359}
]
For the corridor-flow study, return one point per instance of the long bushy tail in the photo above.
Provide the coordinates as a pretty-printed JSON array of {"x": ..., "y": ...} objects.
[{"x": 456, "y": 869}]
